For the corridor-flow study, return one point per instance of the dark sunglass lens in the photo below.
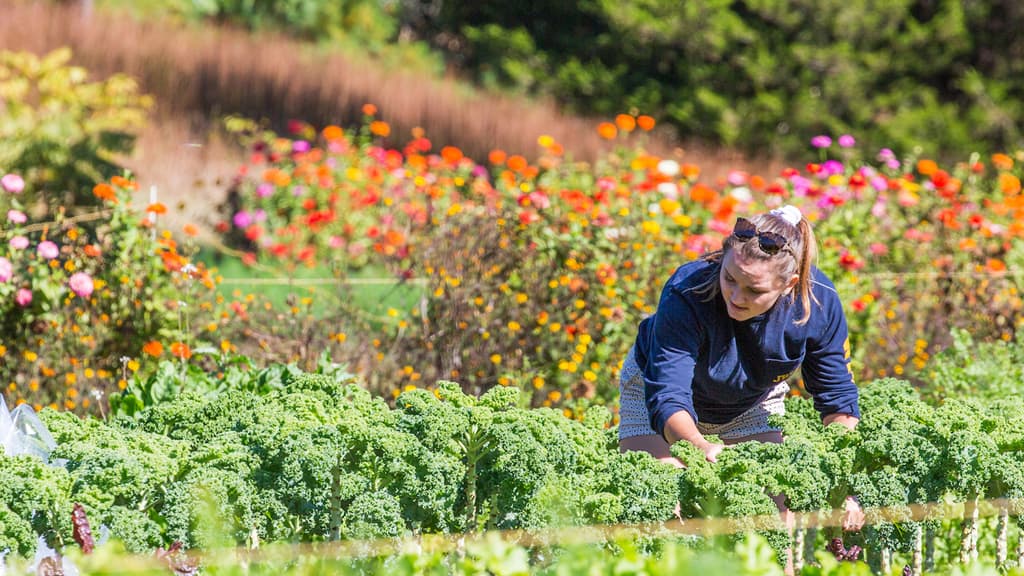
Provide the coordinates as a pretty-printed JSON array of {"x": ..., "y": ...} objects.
[
  {"x": 771, "y": 242},
  {"x": 744, "y": 229}
]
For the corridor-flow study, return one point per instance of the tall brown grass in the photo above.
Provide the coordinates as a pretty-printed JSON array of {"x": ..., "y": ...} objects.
[{"x": 198, "y": 73}]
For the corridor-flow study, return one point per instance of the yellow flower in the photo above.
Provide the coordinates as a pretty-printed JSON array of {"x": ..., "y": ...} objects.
[
  {"x": 514, "y": 326},
  {"x": 538, "y": 382},
  {"x": 133, "y": 365},
  {"x": 495, "y": 359},
  {"x": 30, "y": 355},
  {"x": 589, "y": 376},
  {"x": 521, "y": 298}
]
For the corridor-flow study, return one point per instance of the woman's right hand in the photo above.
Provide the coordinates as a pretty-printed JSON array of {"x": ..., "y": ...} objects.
[{"x": 711, "y": 451}]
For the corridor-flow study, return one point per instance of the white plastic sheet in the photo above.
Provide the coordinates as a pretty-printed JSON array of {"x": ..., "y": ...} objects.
[{"x": 22, "y": 432}]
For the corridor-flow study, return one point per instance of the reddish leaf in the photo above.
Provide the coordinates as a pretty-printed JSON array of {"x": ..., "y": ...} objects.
[{"x": 81, "y": 531}]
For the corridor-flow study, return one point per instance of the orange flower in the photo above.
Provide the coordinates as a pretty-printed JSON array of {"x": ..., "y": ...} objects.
[
  {"x": 157, "y": 208},
  {"x": 190, "y": 230},
  {"x": 451, "y": 154},
  {"x": 497, "y": 157},
  {"x": 517, "y": 163},
  {"x": 369, "y": 109},
  {"x": 333, "y": 133},
  {"x": 379, "y": 128},
  {"x": 646, "y": 123},
  {"x": 104, "y": 191},
  {"x": 995, "y": 265},
  {"x": 607, "y": 130},
  {"x": 1009, "y": 183},
  {"x": 927, "y": 167},
  {"x": 181, "y": 350},
  {"x": 92, "y": 250},
  {"x": 122, "y": 182},
  {"x": 691, "y": 171},
  {"x": 625, "y": 122},
  {"x": 702, "y": 193},
  {"x": 1002, "y": 161},
  {"x": 153, "y": 348}
]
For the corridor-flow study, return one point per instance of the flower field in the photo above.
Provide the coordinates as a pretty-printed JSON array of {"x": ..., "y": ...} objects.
[{"x": 445, "y": 360}]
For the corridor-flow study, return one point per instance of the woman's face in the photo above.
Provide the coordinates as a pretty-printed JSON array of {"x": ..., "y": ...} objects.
[{"x": 751, "y": 287}]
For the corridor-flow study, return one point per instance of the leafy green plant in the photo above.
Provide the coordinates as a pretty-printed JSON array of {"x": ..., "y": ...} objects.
[{"x": 62, "y": 132}]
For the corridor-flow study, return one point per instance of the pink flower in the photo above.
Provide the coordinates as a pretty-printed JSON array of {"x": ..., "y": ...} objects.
[
  {"x": 242, "y": 219},
  {"x": 16, "y": 217},
  {"x": 81, "y": 284},
  {"x": 48, "y": 250},
  {"x": 6, "y": 270},
  {"x": 847, "y": 141},
  {"x": 13, "y": 183},
  {"x": 821, "y": 141},
  {"x": 879, "y": 249},
  {"x": 23, "y": 297},
  {"x": 737, "y": 178},
  {"x": 264, "y": 190},
  {"x": 19, "y": 243}
]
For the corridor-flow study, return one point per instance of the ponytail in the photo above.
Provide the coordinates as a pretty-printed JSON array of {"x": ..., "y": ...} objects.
[{"x": 805, "y": 262}]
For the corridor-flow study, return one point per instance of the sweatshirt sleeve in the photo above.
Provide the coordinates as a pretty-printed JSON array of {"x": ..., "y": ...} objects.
[
  {"x": 826, "y": 369},
  {"x": 671, "y": 355}
]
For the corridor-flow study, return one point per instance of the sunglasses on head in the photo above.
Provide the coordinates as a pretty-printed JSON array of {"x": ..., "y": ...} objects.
[{"x": 769, "y": 242}]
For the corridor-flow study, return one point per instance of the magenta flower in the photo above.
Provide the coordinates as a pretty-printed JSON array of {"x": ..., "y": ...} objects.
[
  {"x": 6, "y": 270},
  {"x": 19, "y": 242},
  {"x": 265, "y": 189},
  {"x": 23, "y": 297},
  {"x": 48, "y": 250},
  {"x": 831, "y": 167},
  {"x": 300, "y": 146},
  {"x": 242, "y": 219},
  {"x": 847, "y": 141},
  {"x": 821, "y": 141},
  {"x": 13, "y": 183},
  {"x": 16, "y": 216},
  {"x": 81, "y": 284}
]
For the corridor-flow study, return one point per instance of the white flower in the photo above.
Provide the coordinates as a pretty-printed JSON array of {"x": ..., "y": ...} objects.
[
  {"x": 669, "y": 190},
  {"x": 742, "y": 193},
  {"x": 668, "y": 167},
  {"x": 653, "y": 208}
]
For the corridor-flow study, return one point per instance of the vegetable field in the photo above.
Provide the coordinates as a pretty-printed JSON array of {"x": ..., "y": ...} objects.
[{"x": 436, "y": 390}]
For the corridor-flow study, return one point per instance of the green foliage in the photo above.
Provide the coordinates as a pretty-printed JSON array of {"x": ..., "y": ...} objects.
[
  {"x": 765, "y": 75},
  {"x": 969, "y": 368},
  {"x": 60, "y": 131}
]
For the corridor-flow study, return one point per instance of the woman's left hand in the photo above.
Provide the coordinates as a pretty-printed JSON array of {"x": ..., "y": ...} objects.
[{"x": 853, "y": 515}]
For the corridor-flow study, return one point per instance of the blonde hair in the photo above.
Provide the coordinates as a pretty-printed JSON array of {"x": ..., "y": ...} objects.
[{"x": 798, "y": 256}]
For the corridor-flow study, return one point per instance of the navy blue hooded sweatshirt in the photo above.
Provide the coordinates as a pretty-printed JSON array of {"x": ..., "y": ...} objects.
[{"x": 695, "y": 357}]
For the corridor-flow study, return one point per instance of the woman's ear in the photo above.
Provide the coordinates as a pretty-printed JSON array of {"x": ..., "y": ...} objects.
[{"x": 792, "y": 282}]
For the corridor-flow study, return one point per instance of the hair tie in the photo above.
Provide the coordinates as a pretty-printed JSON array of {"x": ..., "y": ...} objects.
[{"x": 789, "y": 213}]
